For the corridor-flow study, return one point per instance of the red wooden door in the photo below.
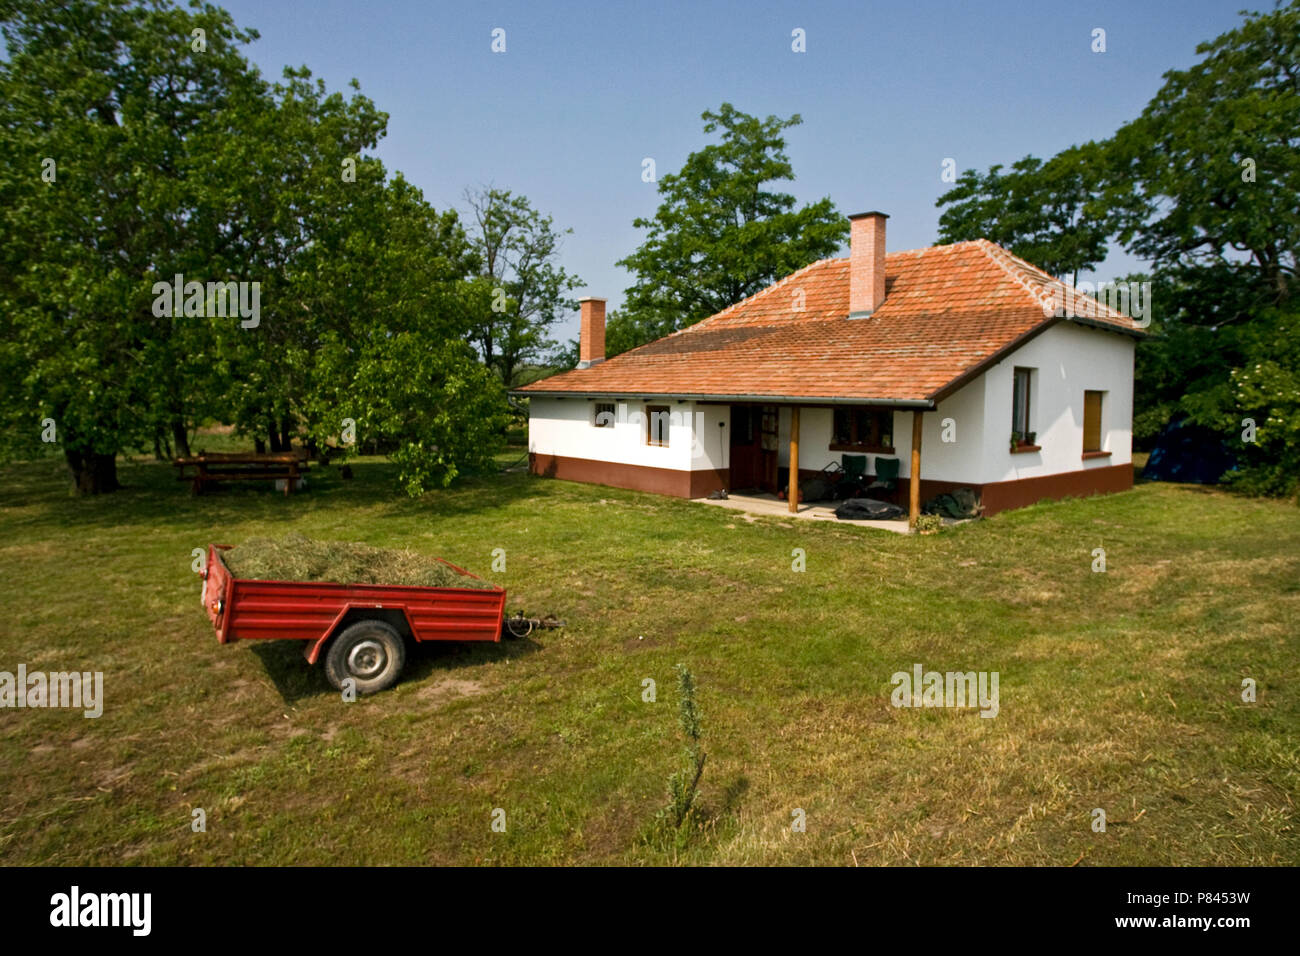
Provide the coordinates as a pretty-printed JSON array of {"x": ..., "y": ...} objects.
[{"x": 745, "y": 452}]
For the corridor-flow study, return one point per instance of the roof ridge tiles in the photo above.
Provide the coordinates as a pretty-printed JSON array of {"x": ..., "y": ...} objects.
[
  {"x": 988, "y": 248},
  {"x": 1048, "y": 300}
]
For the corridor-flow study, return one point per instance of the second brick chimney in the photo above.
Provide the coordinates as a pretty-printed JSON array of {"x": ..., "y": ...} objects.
[
  {"x": 866, "y": 263},
  {"x": 591, "y": 335}
]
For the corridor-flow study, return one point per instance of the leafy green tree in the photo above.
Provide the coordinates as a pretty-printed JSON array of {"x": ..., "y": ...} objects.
[
  {"x": 1205, "y": 183},
  {"x": 1047, "y": 213},
  {"x": 172, "y": 156},
  {"x": 438, "y": 408},
  {"x": 1208, "y": 176},
  {"x": 521, "y": 291},
  {"x": 721, "y": 233},
  {"x": 99, "y": 100},
  {"x": 395, "y": 358},
  {"x": 370, "y": 307},
  {"x": 307, "y": 211}
]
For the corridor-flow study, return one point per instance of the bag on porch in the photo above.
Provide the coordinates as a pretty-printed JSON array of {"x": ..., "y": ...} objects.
[
  {"x": 868, "y": 509},
  {"x": 815, "y": 489},
  {"x": 961, "y": 503}
]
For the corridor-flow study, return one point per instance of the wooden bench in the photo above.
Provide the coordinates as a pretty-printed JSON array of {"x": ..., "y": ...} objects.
[{"x": 212, "y": 468}]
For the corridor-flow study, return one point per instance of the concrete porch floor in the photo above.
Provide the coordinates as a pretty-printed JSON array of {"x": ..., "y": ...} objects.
[{"x": 774, "y": 507}]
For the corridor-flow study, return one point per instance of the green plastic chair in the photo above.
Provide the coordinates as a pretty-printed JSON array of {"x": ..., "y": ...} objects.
[
  {"x": 855, "y": 466},
  {"x": 886, "y": 475}
]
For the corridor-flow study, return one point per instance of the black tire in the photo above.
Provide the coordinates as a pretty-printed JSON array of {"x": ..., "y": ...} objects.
[{"x": 371, "y": 653}]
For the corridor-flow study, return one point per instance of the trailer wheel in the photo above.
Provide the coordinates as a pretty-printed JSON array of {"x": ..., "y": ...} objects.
[{"x": 371, "y": 653}]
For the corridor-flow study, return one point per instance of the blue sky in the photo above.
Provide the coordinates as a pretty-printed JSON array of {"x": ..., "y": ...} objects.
[{"x": 586, "y": 91}]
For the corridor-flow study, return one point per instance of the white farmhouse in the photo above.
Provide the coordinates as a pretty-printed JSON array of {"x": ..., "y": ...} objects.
[{"x": 960, "y": 351}]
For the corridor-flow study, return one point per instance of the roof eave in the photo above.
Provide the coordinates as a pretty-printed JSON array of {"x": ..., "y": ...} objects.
[
  {"x": 1134, "y": 332},
  {"x": 738, "y": 397}
]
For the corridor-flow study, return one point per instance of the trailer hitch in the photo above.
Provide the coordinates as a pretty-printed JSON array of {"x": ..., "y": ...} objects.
[{"x": 518, "y": 625}]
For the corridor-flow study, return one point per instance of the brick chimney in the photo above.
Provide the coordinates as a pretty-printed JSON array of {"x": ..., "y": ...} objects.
[
  {"x": 591, "y": 337},
  {"x": 866, "y": 263}
]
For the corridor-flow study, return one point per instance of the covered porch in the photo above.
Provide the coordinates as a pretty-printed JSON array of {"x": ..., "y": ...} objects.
[{"x": 771, "y": 448}]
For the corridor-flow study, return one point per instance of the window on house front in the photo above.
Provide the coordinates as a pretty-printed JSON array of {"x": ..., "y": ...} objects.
[
  {"x": 1092, "y": 421},
  {"x": 862, "y": 428},
  {"x": 656, "y": 425},
  {"x": 1020, "y": 403},
  {"x": 603, "y": 416},
  {"x": 743, "y": 424}
]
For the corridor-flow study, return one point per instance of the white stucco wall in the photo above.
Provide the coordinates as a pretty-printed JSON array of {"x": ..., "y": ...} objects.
[
  {"x": 563, "y": 427},
  {"x": 1068, "y": 360},
  {"x": 713, "y": 427}
]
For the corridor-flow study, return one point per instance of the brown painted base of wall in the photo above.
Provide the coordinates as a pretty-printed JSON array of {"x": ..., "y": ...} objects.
[
  {"x": 996, "y": 496},
  {"x": 1005, "y": 495},
  {"x": 660, "y": 481}
]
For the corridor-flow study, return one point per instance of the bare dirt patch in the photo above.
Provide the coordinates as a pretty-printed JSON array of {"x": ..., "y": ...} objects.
[{"x": 451, "y": 688}]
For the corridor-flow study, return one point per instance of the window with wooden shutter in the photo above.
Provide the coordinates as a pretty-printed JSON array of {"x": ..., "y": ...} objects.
[{"x": 1092, "y": 421}]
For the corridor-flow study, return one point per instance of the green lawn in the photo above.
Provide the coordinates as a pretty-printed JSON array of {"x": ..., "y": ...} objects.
[{"x": 1119, "y": 690}]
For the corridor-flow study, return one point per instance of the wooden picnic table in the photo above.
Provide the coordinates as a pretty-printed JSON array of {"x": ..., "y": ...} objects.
[{"x": 213, "y": 467}]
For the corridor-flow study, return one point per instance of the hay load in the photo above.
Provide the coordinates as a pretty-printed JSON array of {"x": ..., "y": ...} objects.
[{"x": 296, "y": 557}]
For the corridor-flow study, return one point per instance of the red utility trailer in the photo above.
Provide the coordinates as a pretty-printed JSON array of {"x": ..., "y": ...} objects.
[{"x": 362, "y": 627}]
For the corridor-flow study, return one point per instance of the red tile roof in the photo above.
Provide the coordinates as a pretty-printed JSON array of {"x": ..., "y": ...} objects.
[{"x": 948, "y": 312}]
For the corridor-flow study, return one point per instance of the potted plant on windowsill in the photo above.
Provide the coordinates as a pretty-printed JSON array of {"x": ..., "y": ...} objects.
[{"x": 1023, "y": 441}]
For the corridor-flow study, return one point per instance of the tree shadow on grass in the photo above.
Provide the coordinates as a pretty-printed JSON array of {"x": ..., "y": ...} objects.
[
  {"x": 150, "y": 496},
  {"x": 1196, "y": 487},
  {"x": 469, "y": 497},
  {"x": 297, "y": 680}
]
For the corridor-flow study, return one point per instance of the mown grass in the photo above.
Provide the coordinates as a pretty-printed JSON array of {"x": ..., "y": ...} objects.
[{"x": 1119, "y": 690}]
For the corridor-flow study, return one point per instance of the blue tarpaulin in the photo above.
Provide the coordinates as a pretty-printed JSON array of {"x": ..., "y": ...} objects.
[{"x": 1189, "y": 453}]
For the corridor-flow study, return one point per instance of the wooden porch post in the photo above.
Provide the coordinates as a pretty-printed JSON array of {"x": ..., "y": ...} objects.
[
  {"x": 914, "y": 477},
  {"x": 793, "y": 491}
]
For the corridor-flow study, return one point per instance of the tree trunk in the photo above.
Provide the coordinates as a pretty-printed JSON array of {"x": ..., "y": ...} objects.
[
  {"x": 259, "y": 445},
  {"x": 286, "y": 434},
  {"x": 92, "y": 473},
  {"x": 273, "y": 437},
  {"x": 181, "y": 437}
]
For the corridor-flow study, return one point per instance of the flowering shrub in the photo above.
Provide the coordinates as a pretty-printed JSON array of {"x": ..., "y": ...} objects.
[{"x": 1268, "y": 392}]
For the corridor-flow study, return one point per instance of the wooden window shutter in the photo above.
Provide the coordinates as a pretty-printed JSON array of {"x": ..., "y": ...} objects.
[{"x": 1092, "y": 421}]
